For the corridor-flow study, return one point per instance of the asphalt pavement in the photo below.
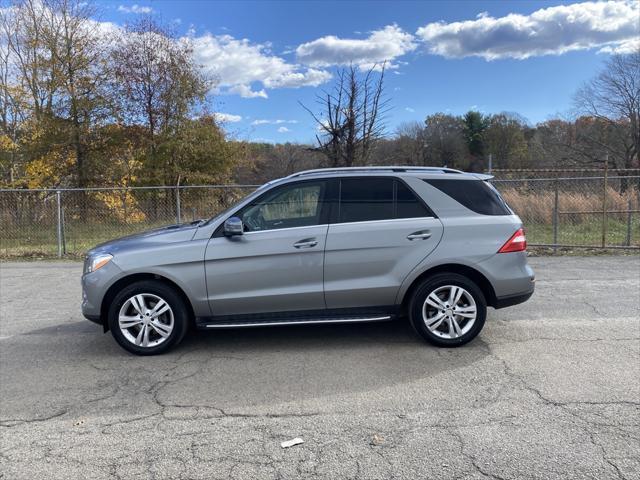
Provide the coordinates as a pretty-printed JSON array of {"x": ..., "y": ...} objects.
[{"x": 549, "y": 390}]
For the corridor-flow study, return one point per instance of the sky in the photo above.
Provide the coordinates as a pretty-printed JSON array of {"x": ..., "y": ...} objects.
[{"x": 268, "y": 57}]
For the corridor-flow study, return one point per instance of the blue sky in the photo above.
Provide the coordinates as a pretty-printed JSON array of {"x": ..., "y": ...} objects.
[{"x": 445, "y": 56}]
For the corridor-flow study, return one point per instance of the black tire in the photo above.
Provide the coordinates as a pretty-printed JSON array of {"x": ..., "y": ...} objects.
[
  {"x": 181, "y": 316},
  {"x": 431, "y": 284}
]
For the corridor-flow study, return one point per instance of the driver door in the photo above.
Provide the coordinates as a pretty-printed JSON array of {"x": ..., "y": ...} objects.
[{"x": 277, "y": 264}]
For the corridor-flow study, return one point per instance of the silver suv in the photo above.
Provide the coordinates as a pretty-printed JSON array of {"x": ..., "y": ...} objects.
[{"x": 340, "y": 245}]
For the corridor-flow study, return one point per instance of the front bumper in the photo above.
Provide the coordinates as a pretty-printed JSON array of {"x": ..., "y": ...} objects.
[{"x": 94, "y": 287}]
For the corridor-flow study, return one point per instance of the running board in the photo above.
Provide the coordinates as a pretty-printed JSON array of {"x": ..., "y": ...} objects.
[{"x": 294, "y": 321}]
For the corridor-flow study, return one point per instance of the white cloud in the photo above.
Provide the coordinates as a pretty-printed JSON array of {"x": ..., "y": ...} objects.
[
  {"x": 227, "y": 117},
  {"x": 248, "y": 69},
  {"x": 622, "y": 48},
  {"x": 272, "y": 122},
  {"x": 409, "y": 109},
  {"x": 548, "y": 31},
  {"x": 245, "y": 91},
  {"x": 381, "y": 45},
  {"x": 135, "y": 8},
  {"x": 283, "y": 130}
]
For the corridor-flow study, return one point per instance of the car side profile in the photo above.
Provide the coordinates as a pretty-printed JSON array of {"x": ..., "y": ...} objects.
[{"x": 343, "y": 245}]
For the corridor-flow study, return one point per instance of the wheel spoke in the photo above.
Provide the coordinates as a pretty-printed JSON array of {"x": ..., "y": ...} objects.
[
  {"x": 159, "y": 309},
  {"x": 454, "y": 296},
  {"x": 452, "y": 330},
  {"x": 145, "y": 337},
  {"x": 126, "y": 321},
  {"x": 435, "y": 301},
  {"x": 466, "y": 312},
  {"x": 141, "y": 334},
  {"x": 138, "y": 304},
  {"x": 436, "y": 321},
  {"x": 456, "y": 327},
  {"x": 161, "y": 328}
]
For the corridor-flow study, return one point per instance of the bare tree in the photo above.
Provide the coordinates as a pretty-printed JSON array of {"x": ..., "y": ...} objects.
[
  {"x": 410, "y": 144},
  {"x": 612, "y": 98},
  {"x": 351, "y": 116}
]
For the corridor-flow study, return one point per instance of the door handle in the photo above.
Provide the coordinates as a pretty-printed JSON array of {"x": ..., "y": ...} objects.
[
  {"x": 423, "y": 235},
  {"x": 306, "y": 243}
]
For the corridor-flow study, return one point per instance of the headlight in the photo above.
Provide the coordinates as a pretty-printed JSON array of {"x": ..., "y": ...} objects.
[{"x": 96, "y": 262}]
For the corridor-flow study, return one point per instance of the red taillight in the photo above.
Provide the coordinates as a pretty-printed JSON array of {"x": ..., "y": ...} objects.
[{"x": 517, "y": 243}]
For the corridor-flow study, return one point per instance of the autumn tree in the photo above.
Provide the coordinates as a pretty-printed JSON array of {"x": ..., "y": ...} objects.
[
  {"x": 159, "y": 87},
  {"x": 504, "y": 138}
]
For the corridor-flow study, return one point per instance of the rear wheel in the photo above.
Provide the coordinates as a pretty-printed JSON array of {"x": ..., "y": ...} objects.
[
  {"x": 448, "y": 310},
  {"x": 148, "y": 318}
]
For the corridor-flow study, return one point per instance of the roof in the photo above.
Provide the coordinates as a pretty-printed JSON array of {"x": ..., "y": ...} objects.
[{"x": 436, "y": 172}]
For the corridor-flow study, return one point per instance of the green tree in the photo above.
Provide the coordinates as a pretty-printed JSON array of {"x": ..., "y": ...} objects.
[{"x": 474, "y": 126}]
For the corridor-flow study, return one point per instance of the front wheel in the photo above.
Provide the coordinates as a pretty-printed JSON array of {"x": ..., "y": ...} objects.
[
  {"x": 448, "y": 310},
  {"x": 148, "y": 318}
]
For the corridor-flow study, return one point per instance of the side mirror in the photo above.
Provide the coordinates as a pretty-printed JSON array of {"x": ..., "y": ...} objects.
[{"x": 233, "y": 226}]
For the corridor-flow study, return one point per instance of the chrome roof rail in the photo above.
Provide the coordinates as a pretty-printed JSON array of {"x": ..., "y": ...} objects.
[{"x": 376, "y": 169}]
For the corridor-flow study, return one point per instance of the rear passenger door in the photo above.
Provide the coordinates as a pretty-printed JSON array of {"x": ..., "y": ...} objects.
[{"x": 380, "y": 230}]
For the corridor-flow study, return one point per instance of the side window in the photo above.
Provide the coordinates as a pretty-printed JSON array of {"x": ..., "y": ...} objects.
[
  {"x": 368, "y": 199},
  {"x": 477, "y": 195},
  {"x": 296, "y": 205},
  {"x": 365, "y": 199},
  {"x": 408, "y": 205}
]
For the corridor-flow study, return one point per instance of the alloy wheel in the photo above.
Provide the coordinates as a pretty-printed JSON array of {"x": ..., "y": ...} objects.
[
  {"x": 146, "y": 320},
  {"x": 449, "y": 311}
]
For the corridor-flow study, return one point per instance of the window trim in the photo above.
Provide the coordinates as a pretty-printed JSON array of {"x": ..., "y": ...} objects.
[
  {"x": 335, "y": 212},
  {"x": 324, "y": 209}
]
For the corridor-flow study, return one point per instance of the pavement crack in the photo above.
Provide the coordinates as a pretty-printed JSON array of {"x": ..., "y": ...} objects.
[{"x": 8, "y": 423}]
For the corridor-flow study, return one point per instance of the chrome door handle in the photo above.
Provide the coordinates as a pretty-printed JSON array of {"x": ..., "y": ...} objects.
[
  {"x": 419, "y": 235},
  {"x": 306, "y": 243}
]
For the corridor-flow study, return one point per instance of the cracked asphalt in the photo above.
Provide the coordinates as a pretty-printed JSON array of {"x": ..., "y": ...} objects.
[{"x": 549, "y": 390}]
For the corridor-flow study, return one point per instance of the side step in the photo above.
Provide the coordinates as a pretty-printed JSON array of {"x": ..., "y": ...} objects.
[{"x": 293, "y": 321}]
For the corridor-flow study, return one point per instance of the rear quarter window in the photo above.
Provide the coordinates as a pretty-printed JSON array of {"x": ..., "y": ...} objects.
[{"x": 476, "y": 195}]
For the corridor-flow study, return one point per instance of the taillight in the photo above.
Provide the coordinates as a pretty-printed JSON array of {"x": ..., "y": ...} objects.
[{"x": 517, "y": 243}]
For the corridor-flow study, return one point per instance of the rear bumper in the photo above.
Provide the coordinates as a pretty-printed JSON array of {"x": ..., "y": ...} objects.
[
  {"x": 94, "y": 318},
  {"x": 510, "y": 300}
]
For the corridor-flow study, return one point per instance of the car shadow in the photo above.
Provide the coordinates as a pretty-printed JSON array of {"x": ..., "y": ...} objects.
[{"x": 244, "y": 368}]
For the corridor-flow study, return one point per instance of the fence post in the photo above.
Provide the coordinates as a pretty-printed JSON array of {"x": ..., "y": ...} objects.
[
  {"x": 555, "y": 217},
  {"x": 629, "y": 204},
  {"x": 604, "y": 202},
  {"x": 59, "y": 230},
  {"x": 178, "y": 212}
]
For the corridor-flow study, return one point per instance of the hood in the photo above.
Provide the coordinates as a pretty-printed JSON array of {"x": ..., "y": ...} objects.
[{"x": 182, "y": 232}]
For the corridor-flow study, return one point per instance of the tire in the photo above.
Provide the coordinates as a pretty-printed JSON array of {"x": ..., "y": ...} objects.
[
  {"x": 450, "y": 325},
  {"x": 138, "y": 307}
]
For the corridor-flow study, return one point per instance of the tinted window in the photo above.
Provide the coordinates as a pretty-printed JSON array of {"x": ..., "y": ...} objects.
[
  {"x": 296, "y": 205},
  {"x": 365, "y": 199},
  {"x": 407, "y": 204},
  {"x": 476, "y": 195}
]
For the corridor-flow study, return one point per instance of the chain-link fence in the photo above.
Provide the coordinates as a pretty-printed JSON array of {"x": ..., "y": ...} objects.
[
  {"x": 45, "y": 223},
  {"x": 597, "y": 211},
  {"x": 579, "y": 211}
]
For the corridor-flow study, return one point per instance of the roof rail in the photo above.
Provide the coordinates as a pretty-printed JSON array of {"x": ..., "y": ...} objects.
[{"x": 376, "y": 169}]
